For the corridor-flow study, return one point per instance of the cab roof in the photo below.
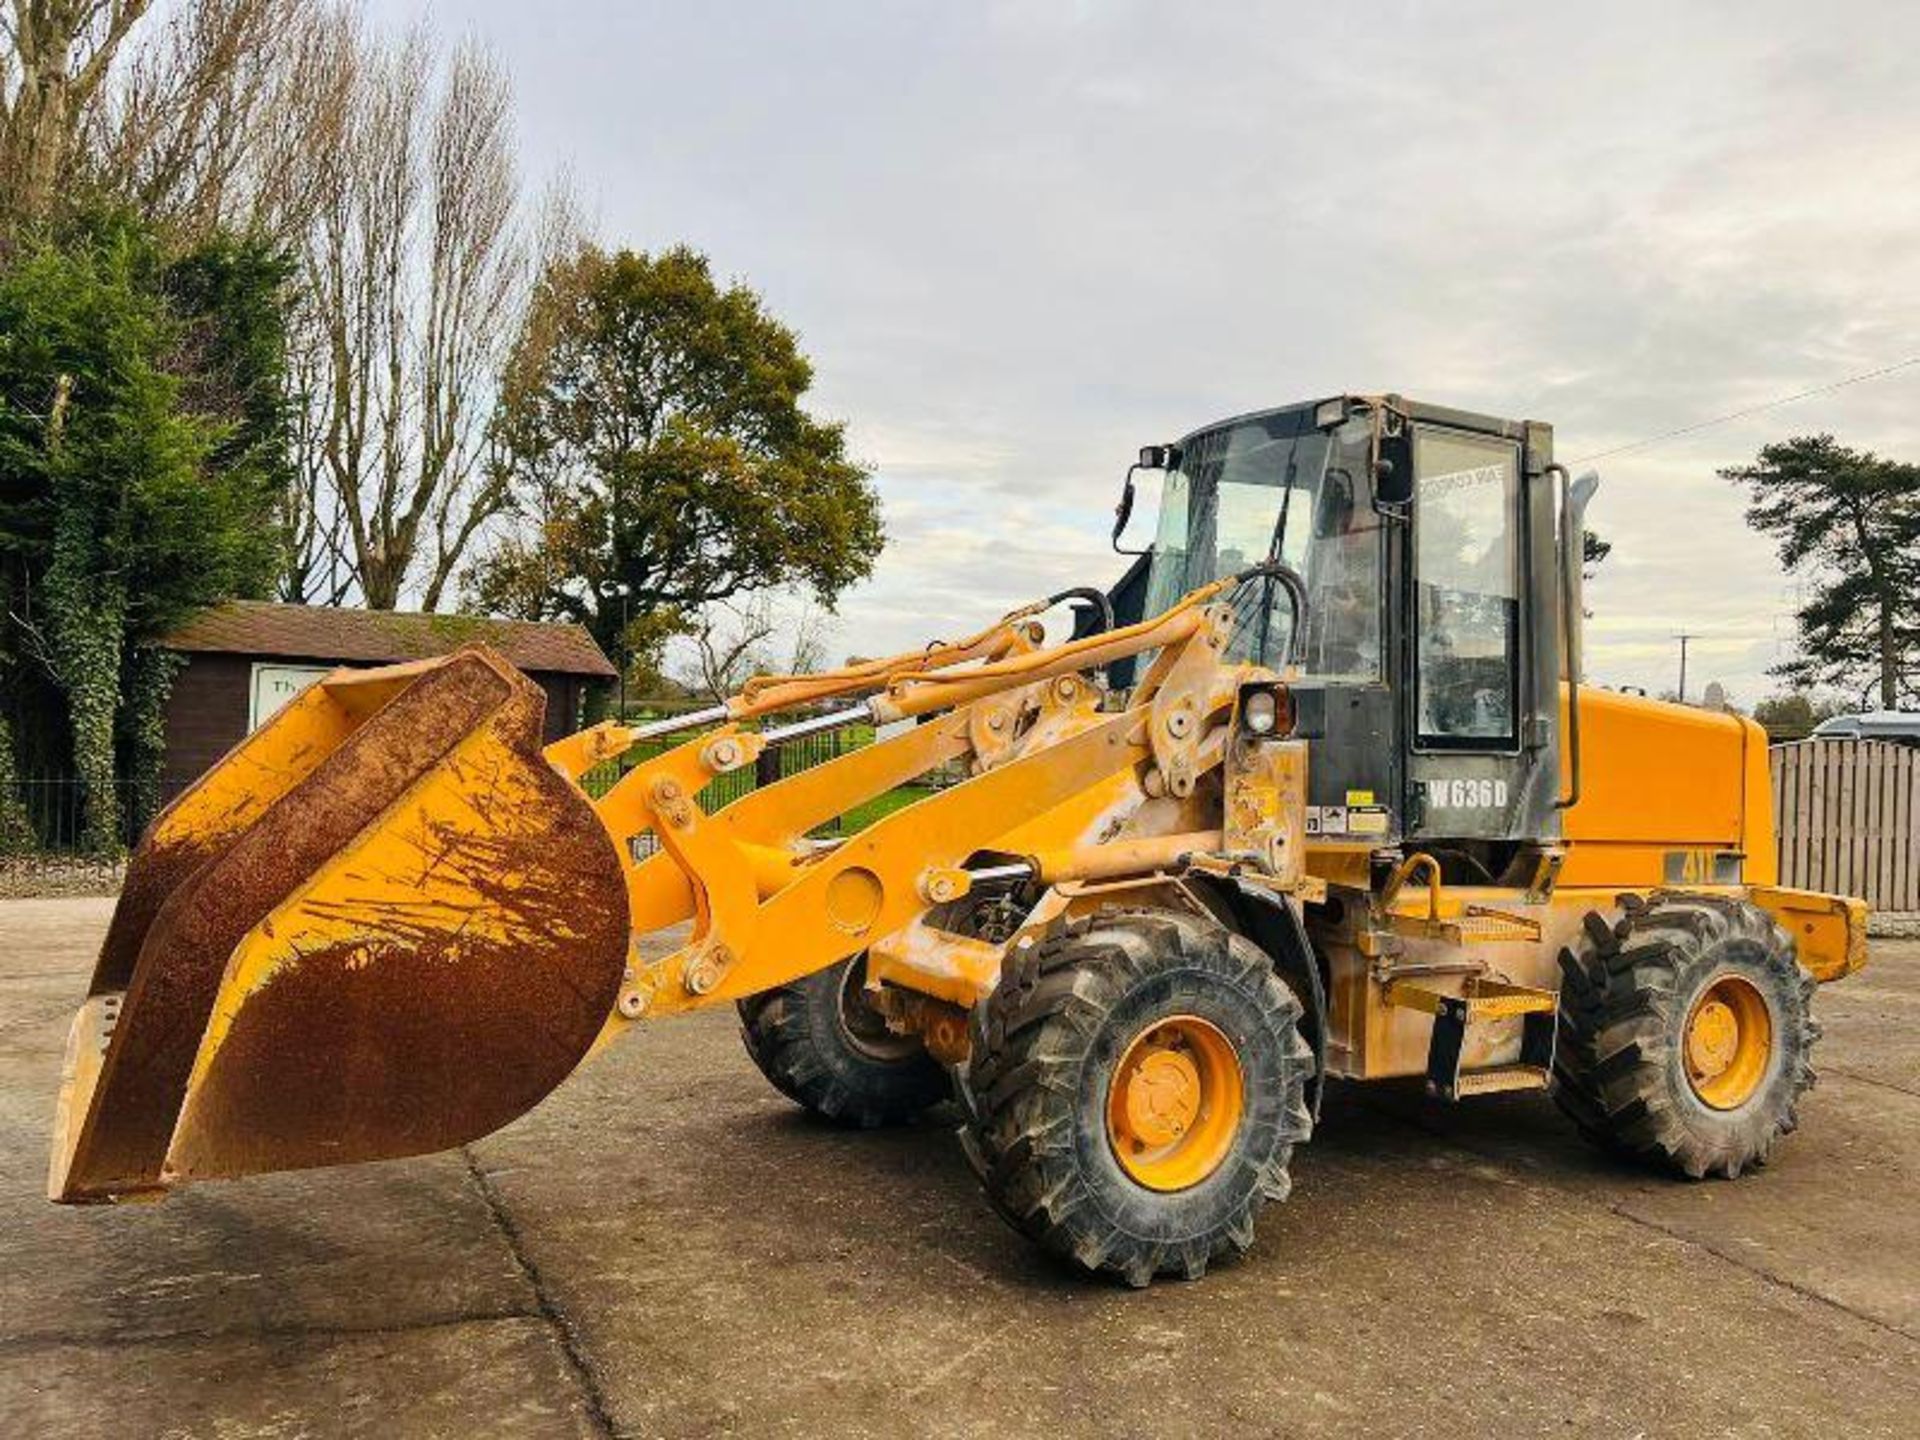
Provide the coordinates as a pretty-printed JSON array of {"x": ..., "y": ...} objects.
[{"x": 1297, "y": 418}]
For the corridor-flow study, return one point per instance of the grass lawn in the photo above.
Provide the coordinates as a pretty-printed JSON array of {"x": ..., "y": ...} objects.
[{"x": 861, "y": 816}]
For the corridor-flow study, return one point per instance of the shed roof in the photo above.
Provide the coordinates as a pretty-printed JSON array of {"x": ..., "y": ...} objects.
[{"x": 384, "y": 637}]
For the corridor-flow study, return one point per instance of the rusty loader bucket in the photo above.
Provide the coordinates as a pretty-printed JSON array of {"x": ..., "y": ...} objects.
[{"x": 383, "y": 925}]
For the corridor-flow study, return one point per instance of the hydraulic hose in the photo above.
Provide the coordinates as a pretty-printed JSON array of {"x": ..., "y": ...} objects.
[
  {"x": 1296, "y": 588},
  {"x": 1096, "y": 600}
]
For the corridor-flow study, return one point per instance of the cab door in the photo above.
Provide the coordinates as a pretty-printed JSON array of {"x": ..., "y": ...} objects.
[{"x": 1467, "y": 688}]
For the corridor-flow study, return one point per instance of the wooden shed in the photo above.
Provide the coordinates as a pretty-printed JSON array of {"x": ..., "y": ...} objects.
[{"x": 248, "y": 658}]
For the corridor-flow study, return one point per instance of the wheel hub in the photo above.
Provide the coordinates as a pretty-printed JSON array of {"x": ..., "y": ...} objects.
[
  {"x": 1175, "y": 1102},
  {"x": 865, "y": 1027},
  {"x": 1712, "y": 1040},
  {"x": 1728, "y": 1043},
  {"x": 1163, "y": 1097}
]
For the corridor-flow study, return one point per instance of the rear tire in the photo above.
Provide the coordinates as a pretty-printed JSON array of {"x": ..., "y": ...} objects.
[
  {"x": 823, "y": 1046},
  {"x": 1685, "y": 1034},
  {"x": 1072, "y": 1055}
]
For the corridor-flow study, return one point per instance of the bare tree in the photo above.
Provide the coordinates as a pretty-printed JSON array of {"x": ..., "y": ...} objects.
[
  {"x": 201, "y": 117},
  {"x": 316, "y": 568},
  {"x": 56, "y": 60},
  {"x": 808, "y": 629},
  {"x": 218, "y": 114},
  {"x": 726, "y": 646},
  {"x": 731, "y": 642},
  {"x": 414, "y": 266}
]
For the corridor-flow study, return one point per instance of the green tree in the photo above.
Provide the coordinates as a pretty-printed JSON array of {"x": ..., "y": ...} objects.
[
  {"x": 1792, "y": 716},
  {"x": 1850, "y": 522},
  {"x": 652, "y": 429},
  {"x": 140, "y": 464},
  {"x": 1593, "y": 550}
]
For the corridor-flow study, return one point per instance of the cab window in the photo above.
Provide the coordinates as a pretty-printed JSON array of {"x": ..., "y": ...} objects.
[
  {"x": 1466, "y": 570},
  {"x": 1246, "y": 489}
]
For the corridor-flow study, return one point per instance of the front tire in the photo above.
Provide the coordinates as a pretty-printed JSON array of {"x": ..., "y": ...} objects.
[
  {"x": 1686, "y": 1037},
  {"x": 824, "y": 1047},
  {"x": 1136, "y": 1087}
]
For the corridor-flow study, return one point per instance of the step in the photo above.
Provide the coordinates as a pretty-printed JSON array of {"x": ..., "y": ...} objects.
[
  {"x": 1497, "y": 1079},
  {"x": 1482, "y": 1000},
  {"x": 1481, "y": 925},
  {"x": 1473, "y": 925}
]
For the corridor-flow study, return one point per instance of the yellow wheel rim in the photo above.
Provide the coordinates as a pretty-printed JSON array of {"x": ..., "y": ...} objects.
[
  {"x": 1729, "y": 1040},
  {"x": 1174, "y": 1103}
]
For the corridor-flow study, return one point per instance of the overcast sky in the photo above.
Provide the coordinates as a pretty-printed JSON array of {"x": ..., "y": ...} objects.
[{"x": 1020, "y": 239}]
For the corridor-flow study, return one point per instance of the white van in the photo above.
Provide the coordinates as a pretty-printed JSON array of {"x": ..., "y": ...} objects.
[{"x": 1902, "y": 726}]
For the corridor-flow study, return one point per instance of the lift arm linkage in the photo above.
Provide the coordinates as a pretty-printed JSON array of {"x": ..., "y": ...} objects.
[{"x": 767, "y": 906}]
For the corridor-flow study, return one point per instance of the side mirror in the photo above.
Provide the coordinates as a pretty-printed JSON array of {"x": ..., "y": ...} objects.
[
  {"x": 1123, "y": 512},
  {"x": 1392, "y": 482},
  {"x": 1152, "y": 457}
]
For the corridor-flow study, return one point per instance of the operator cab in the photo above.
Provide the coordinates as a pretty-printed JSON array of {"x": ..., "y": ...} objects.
[{"x": 1427, "y": 675}]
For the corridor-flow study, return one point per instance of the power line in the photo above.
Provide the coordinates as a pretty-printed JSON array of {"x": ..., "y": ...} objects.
[{"x": 1731, "y": 415}]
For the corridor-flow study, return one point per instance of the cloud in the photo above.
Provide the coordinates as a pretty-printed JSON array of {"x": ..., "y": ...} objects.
[{"x": 1021, "y": 240}]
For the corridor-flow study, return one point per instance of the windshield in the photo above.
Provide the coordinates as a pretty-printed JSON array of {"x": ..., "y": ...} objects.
[{"x": 1244, "y": 488}]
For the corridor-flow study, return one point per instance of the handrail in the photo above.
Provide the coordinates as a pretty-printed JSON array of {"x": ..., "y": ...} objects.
[
  {"x": 1403, "y": 872},
  {"x": 1569, "y": 635}
]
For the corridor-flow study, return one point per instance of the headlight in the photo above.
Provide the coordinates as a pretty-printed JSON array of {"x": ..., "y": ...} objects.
[{"x": 1260, "y": 712}]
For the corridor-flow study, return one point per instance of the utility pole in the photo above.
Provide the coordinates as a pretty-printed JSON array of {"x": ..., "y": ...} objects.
[{"x": 1683, "y": 637}]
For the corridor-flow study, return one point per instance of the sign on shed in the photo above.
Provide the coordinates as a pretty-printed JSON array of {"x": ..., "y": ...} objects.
[{"x": 274, "y": 686}]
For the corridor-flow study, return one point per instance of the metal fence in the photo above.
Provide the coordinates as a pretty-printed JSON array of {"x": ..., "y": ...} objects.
[
  {"x": 775, "y": 763},
  {"x": 55, "y": 812},
  {"x": 1848, "y": 816},
  {"x": 51, "y": 856}
]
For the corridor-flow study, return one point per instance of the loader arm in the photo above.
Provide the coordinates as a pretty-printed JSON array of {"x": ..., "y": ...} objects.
[
  {"x": 576, "y": 754},
  {"x": 765, "y": 912},
  {"x": 391, "y": 923},
  {"x": 303, "y": 933}
]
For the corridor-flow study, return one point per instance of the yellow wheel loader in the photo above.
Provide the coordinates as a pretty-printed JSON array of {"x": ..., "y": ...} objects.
[{"x": 1324, "y": 799}]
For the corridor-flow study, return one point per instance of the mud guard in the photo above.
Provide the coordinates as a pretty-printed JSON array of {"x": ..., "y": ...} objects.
[{"x": 1272, "y": 922}]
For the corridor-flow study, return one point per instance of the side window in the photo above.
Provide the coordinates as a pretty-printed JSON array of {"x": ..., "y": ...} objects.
[
  {"x": 1341, "y": 562},
  {"x": 1263, "y": 618},
  {"x": 1167, "y": 580},
  {"x": 1466, "y": 573}
]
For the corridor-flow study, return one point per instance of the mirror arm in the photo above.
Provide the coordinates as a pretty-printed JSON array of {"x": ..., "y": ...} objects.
[
  {"x": 1122, "y": 513},
  {"x": 1380, "y": 466}
]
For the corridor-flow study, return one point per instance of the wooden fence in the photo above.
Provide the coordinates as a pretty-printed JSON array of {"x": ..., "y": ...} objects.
[{"x": 1848, "y": 815}]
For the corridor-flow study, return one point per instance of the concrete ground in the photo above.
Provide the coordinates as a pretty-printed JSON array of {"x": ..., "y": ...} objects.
[{"x": 668, "y": 1248}]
